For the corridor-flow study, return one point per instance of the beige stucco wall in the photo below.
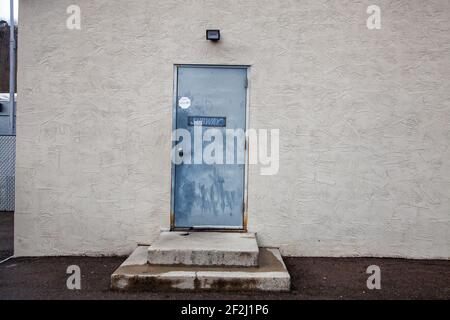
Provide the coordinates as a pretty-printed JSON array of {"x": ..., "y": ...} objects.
[{"x": 364, "y": 118}]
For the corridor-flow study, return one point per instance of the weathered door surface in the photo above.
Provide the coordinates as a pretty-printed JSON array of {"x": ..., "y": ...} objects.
[{"x": 210, "y": 196}]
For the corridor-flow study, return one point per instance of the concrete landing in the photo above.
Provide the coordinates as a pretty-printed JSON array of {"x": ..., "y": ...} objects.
[
  {"x": 204, "y": 249},
  {"x": 137, "y": 274}
]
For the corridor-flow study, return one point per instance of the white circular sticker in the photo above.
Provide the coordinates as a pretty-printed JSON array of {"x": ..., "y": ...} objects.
[{"x": 184, "y": 102}]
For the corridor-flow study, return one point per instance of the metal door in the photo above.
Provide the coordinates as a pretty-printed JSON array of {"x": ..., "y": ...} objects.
[{"x": 209, "y": 196}]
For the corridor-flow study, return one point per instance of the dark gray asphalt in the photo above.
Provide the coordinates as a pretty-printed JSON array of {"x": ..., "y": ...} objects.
[{"x": 312, "y": 278}]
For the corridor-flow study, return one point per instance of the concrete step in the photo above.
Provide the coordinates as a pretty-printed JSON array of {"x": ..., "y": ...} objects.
[
  {"x": 204, "y": 249},
  {"x": 137, "y": 274}
]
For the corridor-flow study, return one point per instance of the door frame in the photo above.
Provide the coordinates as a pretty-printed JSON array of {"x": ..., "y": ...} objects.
[{"x": 246, "y": 149}]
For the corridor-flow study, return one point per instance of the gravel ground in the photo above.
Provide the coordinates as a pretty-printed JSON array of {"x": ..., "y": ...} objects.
[{"x": 312, "y": 278}]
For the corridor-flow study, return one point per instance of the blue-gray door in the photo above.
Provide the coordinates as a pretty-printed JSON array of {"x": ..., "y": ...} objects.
[{"x": 206, "y": 195}]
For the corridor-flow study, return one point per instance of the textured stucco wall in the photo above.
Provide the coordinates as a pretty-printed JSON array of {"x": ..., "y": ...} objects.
[{"x": 364, "y": 118}]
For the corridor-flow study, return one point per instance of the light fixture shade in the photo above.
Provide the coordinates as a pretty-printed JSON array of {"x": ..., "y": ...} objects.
[{"x": 213, "y": 35}]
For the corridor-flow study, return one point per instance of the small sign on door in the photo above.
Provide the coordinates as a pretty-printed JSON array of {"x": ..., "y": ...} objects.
[
  {"x": 184, "y": 102},
  {"x": 207, "y": 121}
]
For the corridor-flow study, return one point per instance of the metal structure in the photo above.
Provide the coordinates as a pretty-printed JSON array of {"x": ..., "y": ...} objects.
[
  {"x": 7, "y": 128},
  {"x": 210, "y": 196},
  {"x": 7, "y": 155},
  {"x": 12, "y": 66}
]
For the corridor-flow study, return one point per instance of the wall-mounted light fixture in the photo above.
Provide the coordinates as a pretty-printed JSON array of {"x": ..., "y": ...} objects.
[{"x": 213, "y": 35}]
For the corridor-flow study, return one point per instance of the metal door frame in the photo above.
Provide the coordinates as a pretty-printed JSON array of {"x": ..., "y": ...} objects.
[{"x": 246, "y": 151}]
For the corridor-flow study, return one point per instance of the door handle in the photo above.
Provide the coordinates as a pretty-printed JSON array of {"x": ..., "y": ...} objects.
[{"x": 180, "y": 153}]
